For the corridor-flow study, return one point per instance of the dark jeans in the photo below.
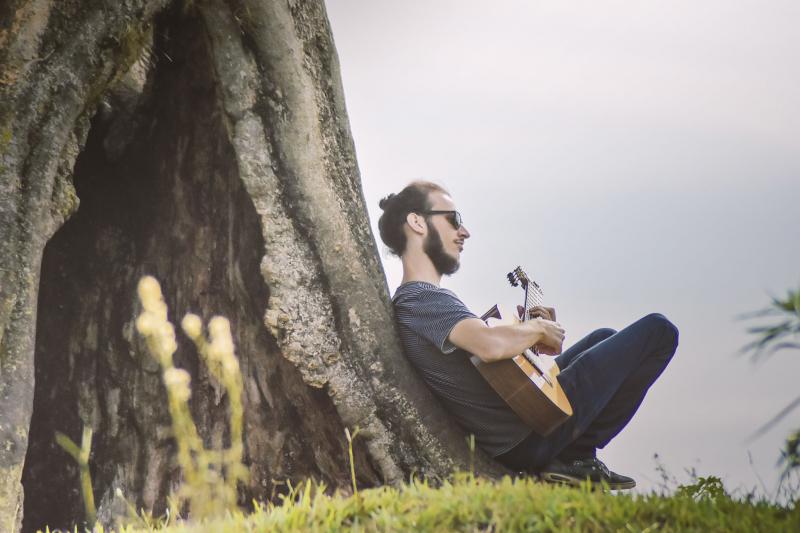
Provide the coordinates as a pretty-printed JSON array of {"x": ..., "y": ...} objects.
[{"x": 605, "y": 375}]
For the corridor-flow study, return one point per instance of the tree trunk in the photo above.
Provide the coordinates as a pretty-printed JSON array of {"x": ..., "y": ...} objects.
[{"x": 208, "y": 144}]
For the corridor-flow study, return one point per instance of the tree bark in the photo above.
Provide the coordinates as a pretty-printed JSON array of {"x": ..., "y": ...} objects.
[{"x": 209, "y": 146}]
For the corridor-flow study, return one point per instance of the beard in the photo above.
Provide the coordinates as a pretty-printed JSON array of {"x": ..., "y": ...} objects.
[{"x": 434, "y": 249}]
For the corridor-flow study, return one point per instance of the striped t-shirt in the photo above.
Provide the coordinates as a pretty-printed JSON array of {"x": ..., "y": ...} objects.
[{"x": 426, "y": 314}]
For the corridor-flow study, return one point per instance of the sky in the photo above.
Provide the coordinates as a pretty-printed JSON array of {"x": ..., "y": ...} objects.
[{"x": 632, "y": 157}]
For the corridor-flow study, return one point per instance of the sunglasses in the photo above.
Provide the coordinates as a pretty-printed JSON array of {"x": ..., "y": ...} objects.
[{"x": 453, "y": 217}]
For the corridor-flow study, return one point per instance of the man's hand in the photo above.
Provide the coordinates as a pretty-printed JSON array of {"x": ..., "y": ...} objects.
[
  {"x": 552, "y": 336},
  {"x": 538, "y": 311}
]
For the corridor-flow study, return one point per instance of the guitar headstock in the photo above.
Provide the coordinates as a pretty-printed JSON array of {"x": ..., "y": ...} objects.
[
  {"x": 533, "y": 291},
  {"x": 518, "y": 276}
]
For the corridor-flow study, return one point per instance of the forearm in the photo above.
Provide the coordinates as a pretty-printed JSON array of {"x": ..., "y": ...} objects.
[{"x": 504, "y": 342}]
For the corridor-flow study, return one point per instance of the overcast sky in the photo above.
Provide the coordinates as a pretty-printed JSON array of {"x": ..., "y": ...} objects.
[{"x": 632, "y": 157}]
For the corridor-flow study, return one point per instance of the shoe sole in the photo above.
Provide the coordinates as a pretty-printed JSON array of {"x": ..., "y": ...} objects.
[{"x": 562, "y": 479}]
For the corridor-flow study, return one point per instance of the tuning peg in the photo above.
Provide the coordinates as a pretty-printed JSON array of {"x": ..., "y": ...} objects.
[{"x": 512, "y": 279}]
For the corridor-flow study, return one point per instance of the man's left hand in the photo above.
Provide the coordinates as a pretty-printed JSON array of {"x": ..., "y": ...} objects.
[{"x": 539, "y": 311}]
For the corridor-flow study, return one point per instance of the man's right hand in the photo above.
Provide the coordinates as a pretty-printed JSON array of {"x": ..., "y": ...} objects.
[{"x": 552, "y": 336}]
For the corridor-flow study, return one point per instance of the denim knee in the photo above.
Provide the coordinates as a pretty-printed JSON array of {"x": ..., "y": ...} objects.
[
  {"x": 661, "y": 323},
  {"x": 601, "y": 334}
]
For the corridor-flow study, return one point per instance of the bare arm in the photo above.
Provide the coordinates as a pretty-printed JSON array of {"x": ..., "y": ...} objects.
[{"x": 502, "y": 342}]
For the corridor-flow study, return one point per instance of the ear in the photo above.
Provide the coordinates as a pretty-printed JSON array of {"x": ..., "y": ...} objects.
[{"x": 416, "y": 223}]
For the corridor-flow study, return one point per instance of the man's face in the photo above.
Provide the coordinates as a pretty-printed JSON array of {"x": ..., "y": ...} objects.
[{"x": 444, "y": 243}]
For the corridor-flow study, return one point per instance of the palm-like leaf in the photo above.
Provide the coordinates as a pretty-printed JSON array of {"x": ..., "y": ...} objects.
[
  {"x": 784, "y": 335},
  {"x": 780, "y": 336}
]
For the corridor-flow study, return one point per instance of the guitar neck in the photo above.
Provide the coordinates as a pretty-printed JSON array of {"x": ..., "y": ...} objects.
[
  {"x": 533, "y": 293},
  {"x": 533, "y": 297}
]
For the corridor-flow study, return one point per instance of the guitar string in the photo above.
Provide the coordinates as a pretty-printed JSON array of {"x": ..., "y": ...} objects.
[{"x": 533, "y": 297}]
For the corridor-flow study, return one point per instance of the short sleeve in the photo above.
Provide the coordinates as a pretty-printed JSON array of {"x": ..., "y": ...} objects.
[{"x": 432, "y": 313}]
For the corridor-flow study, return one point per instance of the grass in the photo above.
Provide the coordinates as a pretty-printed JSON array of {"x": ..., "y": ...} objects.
[{"x": 474, "y": 504}]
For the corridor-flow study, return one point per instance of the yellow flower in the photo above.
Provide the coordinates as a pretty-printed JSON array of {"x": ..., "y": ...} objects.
[
  {"x": 192, "y": 326},
  {"x": 177, "y": 381}
]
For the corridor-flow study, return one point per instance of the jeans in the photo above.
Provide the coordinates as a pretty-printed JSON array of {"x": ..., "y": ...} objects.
[{"x": 605, "y": 375}]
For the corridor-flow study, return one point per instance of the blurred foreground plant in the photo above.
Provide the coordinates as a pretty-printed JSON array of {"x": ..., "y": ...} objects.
[
  {"x": 210, "y": 477},
  {"x": 81, "y": 456},
  {"x": 781, "y": 335},
  {"x": 785, "y": 334}
]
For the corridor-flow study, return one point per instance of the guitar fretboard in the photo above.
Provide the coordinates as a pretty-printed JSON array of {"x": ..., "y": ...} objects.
[{"x": 533, "y": 297}]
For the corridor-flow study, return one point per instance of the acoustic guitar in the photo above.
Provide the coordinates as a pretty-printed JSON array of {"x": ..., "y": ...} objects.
[{"x": 527, "y": 382}]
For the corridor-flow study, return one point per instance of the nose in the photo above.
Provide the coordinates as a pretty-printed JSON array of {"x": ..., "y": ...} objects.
[{"x": 463, "y": 232}]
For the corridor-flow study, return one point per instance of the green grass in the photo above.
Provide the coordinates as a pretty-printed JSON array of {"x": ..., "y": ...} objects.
[{"x": 469, "y": 504}]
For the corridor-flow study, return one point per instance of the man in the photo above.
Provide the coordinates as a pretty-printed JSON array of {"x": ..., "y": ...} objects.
[{"x": 605, "y": 375}]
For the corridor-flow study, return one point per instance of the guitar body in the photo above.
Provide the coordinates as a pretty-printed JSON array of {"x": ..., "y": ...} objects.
[{"x": 538, "y": 400}]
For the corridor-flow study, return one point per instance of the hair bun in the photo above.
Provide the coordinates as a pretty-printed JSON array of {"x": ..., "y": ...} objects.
[{"x": 385, "y": 201}]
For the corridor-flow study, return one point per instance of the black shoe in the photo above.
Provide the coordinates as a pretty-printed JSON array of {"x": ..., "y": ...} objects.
[{"x": 578, "y": 471}]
